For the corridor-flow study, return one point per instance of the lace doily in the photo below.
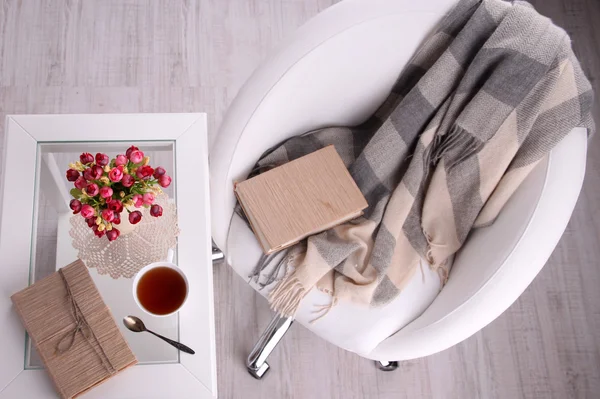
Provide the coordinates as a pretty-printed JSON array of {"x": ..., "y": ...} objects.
[{"x": 123, "y": 257}]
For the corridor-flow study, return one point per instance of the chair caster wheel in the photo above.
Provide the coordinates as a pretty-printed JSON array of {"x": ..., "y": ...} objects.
[
  {"x": 259, "y": 372},
  {"x": 386, "y": 366}
]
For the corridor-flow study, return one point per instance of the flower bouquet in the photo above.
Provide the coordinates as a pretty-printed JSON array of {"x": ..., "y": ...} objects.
[{"x": 105, "y": 187}]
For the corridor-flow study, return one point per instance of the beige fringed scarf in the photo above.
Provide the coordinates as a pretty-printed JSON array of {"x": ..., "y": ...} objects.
[{"x": 485, "y": 98}]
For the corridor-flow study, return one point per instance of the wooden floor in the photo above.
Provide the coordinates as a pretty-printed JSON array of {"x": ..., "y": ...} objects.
[{"x": 70, "y": 56}]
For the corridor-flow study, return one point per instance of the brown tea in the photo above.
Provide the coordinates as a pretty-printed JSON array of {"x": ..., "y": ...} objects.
[{"x": 161, "y": 290}]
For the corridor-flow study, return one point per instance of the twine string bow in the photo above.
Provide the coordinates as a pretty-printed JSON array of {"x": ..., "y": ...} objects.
[{"x": 81, "y": 325}]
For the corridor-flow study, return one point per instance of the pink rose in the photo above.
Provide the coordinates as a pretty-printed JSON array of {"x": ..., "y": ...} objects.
[
  {"x": 87, "y": 211},
  {"x": 120, "y": 160},
  {"x": 137, "y": 200},
  {"x": 116, "y": 174},
  {"x": 108, "y": 215},
  {"x": 102, "y": 159},
  {"x": 97, "y": 172},
  {"x": 135, "y": 217},
  {"x": 127, "y": 181},
  {"x": 93, "y": 173},
  {"x": 115, "y": 205},
  {"x": 130, "y": 150},
  {"x": 164, "y": 181},
  {"x": 156, "y": 210},
  {"x": 148, "y": 198},
  {"x": 113, "y": 234},
  {"x": 80, "y": 183},
  {"x": 145, "y": 172},
  {"x": 75, "y": 205},
  {"x": 106, "y": 192},
  {"x": 159, "y": 171},
  {"x": 136, "y": 156},
  {"x": 88, "y": 174},
  {"x": 86, "y": 158},
  {"x": 92, "y": 189},
  {"x": 72, "y": 175}
]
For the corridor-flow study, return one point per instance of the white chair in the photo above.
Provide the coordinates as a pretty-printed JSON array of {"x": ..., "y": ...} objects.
[{"x": 336, "y": 70}]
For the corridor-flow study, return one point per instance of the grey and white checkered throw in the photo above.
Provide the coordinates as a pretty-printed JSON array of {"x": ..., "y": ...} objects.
[{"x": 483, "y": 100}]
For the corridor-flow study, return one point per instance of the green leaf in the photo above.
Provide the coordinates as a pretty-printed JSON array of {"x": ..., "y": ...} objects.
[{"x": 75, "y": 193}]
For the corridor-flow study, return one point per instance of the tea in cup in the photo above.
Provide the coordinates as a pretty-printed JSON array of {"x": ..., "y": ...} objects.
[{"x": 160, "y": 288}]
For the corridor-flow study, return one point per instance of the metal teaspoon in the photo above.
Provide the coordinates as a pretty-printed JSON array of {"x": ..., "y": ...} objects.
[{"x": 136, "y": 325}]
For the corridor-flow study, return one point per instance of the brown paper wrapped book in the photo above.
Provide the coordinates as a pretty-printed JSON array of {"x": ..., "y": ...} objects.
[{"x": 73, "y": 330}]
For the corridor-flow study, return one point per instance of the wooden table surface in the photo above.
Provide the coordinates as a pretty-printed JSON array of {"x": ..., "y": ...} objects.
[{"x": 78, "y": 56}]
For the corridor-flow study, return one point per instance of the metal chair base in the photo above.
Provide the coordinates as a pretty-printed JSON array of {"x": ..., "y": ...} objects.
[
  {"x": 386, "y": 366},
  {"x": 260, "y": 372},
  {"x": 257, "y": 361},
  {"x": 217, "y": 255}
]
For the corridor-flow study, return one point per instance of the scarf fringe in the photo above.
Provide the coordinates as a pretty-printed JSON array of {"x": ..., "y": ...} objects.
[
  {"x": 285, "y": 298},
  {"x": 442, "y": 144},
  {"x": 288, "y": 262},
  {"x": 323, "y": 309}
]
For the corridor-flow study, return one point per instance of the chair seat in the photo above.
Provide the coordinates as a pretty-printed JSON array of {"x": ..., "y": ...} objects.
[{"x": 350, "y": 326}]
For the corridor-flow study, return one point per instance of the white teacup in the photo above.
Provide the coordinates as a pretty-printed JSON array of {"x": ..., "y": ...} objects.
[{"x": 168, "y": 263}]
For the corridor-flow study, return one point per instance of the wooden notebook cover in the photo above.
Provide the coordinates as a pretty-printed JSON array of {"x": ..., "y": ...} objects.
[
  {"x": 46, "y": 312},
  {"x": 300, "y": 198}
]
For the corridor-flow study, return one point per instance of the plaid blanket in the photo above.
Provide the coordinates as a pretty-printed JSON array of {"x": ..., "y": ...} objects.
[{"x": 483, "y": 100}]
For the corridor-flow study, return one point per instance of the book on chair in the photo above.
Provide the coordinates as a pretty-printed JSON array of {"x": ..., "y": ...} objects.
[{"x": 300, "y": 198}]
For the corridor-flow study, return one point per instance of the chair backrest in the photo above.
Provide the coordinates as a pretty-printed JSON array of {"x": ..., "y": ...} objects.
[{"x": 336, "y": 70}]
